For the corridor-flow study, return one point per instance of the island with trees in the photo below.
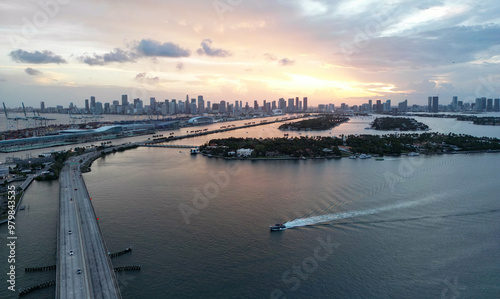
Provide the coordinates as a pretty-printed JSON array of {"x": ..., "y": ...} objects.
[
  {"x": 398, "y": 124},
  {"x": 476, "y": 120},
  {"x": 333, "y": 147},
  {"x": 322, "y": 122}
]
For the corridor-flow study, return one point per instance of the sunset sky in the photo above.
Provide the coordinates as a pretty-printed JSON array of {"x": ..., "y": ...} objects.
[{"x": 329, "y": 51}]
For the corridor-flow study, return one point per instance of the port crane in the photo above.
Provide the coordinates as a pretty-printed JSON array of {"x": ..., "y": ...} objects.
[{"x": 12, "y": 120}]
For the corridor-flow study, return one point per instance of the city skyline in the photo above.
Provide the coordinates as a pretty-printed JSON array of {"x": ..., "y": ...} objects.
[
  {"x": 200, "y": 106},
  {"x": 63, "y": 51}
]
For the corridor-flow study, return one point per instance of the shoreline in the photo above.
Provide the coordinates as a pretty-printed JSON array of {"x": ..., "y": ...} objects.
[{"x": 342, "y": 157}]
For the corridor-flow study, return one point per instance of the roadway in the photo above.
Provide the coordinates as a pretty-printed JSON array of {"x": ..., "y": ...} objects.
[{"x": 88, "y": 272}]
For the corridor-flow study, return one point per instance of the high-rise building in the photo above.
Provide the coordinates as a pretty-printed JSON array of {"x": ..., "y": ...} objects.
[
  {"x": 98, "y": 109},
  {"x": 454, "y": 103},
  {"x": 489, "y": 105},
  {"x": 201, "y": 105},
  {"x": 296, "y": 103},
  {"x": 87, "y": 107},
  {"x": 387, "y": 105},
  {"x": 370, "y": 108},
  {"x": 152, "y": 104},
  {"x": 193, "y": 108},
  {"x": 136, "y": 101},
  {"x": 435, "y": 104},
  {"x": 291, "y": 108},
  {"x": 255, "y": 105},
  {"x": 42, "y": 106},
  {"x": 305, "y": 104},
  {"x": 403, "y": 106},
  {"x": 92, "y": 103},
  {"x": 496, "y": 106},
  {"x": 124, "y": 102},
  {"x": 173, "y": 107},
  {"x": 429, "y": 104},
  {"x": 209, "y": 107},
  {"x": 379, "y": 106},
  {"x": 222, "y": 107},
  {"x": 282, "y": 104}
]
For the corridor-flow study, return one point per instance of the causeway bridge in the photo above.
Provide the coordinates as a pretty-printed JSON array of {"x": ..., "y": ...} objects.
[
  {"x": 84, "y": 268},
  {"x": 168, "y": 145}
]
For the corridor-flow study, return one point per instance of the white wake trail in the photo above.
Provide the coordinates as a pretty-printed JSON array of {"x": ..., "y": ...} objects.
[{"x": 336, "y": 216}]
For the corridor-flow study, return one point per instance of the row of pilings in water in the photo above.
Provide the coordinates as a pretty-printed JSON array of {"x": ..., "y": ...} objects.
[
  {"x": 112, "y": 255},
  {"x": 37, "y": 287},
  {"x": 126, "y": 268},
  {"x": 39, "y": 269},
  {"x": 53, "y": 267}
]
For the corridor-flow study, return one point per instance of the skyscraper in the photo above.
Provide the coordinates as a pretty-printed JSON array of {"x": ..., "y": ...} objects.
[
  {"x": 305, "y": 104},
  {"x": 290, "y": 105},
  {"x": 92, "y": 104},
  {"x": 87, "y": 107},
  {"x": 124, "y": 103},
  {"x": 379, "y": 106},
  {"x": 429, "y": 104},
  {"x": 152, "y": 104},
  {"x": 201, "y": 105},
  {"x": 489, "y": 105},
  {"x": 496, "y": 106},
  {"x": 435, "y": 104},
  {"x": 42, "y": 106},
  {"x": 222, "y": 107},
  {"x": 454, "y": 103}
]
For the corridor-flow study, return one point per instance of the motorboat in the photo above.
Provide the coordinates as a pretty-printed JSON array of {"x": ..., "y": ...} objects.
[{"x": 277, "y": 226}]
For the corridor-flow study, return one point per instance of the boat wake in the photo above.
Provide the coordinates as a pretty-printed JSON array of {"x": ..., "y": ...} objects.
[{"x": 344, "y": 215}]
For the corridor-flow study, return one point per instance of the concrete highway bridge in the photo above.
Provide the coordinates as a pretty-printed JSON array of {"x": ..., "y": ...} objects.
[{"x": 84, "y": 269}]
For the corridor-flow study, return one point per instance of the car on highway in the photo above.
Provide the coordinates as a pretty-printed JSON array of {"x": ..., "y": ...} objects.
[
  {"x": 69, "y": 232},
  {"x": 78, "y": 271},
  {"x": 71, "y": 252}
]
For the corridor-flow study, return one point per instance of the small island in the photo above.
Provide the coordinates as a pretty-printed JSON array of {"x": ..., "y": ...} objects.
[
  {"x": 476, "y": 120},
  {"x": 323, "y": 122},
  {"x": 333, "y": 147},
  {"x": 398, "y": 124}
]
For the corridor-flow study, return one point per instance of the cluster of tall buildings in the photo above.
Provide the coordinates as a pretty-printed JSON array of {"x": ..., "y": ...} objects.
[
  {"x": 199, "y": 106},
  {"x": 195, "y": 106},
  {"x": 480, "y": 105}
]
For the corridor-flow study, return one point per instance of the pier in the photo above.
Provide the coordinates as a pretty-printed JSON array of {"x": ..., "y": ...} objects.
[{"x": 84, "y": 268}]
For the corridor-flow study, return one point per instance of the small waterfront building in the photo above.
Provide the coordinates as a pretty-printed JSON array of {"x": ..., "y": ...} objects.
[{"x": 244, "y": 152}]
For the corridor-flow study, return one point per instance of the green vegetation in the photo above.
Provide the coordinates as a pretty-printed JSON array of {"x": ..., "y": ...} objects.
[
  {"x": 482, "y": 121},
  {"x": 398, "y": 123},
  {"x": 391, "y": 144},
  {"x": 275, "y": 147},
  {"x": 323, "y": 122}
]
